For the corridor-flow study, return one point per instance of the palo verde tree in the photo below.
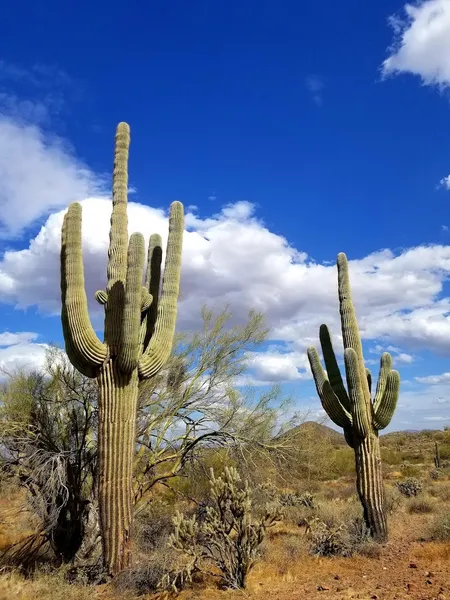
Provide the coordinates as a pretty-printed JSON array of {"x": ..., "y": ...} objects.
[
  {"x": 354, "y": 409},
  {"x": 138, "y": 336}
]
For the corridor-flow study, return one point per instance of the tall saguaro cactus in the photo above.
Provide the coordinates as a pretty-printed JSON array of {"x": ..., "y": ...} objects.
[
  {"x": 138, "y": 336},
  {"x": 354, "y": 409}
]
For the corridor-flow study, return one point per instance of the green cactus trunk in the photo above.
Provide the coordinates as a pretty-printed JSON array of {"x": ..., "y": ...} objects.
[
  {"x": 369, "y": 483},
  {"x": 354, "y": 409},
  {"x": 118, "y": 393}
]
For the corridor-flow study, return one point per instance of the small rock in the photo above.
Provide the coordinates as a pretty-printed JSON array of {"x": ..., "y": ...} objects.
[
  {"x": 374, "y": 597},
  {"x": 337, "y": 577},
  {"x": 322, "y": 588},
  {"x": 412, "y": 565},
  {"x": 429, "y": 582},
  {"x": 441, "y": 596}
]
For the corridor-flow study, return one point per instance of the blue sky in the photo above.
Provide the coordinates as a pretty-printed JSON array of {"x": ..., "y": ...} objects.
[{"x": 288, "y": 137}]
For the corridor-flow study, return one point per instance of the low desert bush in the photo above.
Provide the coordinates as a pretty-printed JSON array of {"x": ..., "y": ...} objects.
[
  {"x": 153, "y": 526},
  {"x": 409, "y": 470},
  {"x": 337, "y": 539},
  {"x": 392, "y": 500},
  {"x": 410, "y": 487},
  {"x": 441, "y": 491},
  {"x": 440, "y": 528},
  {"x": 421, "y": 506}
]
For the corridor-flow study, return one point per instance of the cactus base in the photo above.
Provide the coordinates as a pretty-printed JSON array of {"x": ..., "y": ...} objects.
[
  {"x": 369, "y": 483},
  {"x": 118, "y": 395}
]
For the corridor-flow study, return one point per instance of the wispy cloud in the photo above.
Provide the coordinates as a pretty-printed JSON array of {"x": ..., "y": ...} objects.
[
  {"x": 315, "y": 86},
  {"x": 445, "y": 181},
  {"x": 35, "y": 94}
]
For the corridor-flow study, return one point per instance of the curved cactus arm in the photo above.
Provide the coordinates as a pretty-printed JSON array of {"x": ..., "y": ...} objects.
[
  {"x": 348, "y": 435},
  {"x": 385, "y": 369},
  {"x": 369, "y": 380},
  {"x": 361, "y": 425},
  {"x": 146, "y": 299},
  {"x": 83, "y": 347},
  {"x": 160, "y": 345},
  {"x": 101, "y": 296},
  {"x": 332, "y": 367},
  {"x": 118, "y": 240},
  {"x": 385, "y": 409},
  {"x": 152, "y": 283},
  {"x": 330, "y": 402},
  {"x": 128, "y": 356}
]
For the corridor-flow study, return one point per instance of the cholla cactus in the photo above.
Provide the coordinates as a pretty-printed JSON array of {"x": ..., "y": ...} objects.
[
  {"x": 139, "y": 331},
  {"x": 227, "y": 537},
  {"x": 360, "y": 415}
]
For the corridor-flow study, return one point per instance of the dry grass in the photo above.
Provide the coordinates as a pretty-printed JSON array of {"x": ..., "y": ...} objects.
[
  {"x": 419, "y": 536},
  {"x": 43, "y": 587}
]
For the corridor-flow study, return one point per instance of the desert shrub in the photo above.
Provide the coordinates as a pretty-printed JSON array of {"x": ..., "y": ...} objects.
[
  {"x": 409, "y": 487},
  {"x": 369, "y": 549},
  {"x": 343, "y": 461},
  {"x": 292, "y": 499},
  {"x": 440, "y": 528},
  {"x": 342, "y": 539},
  {"x": 293, "y": 547},
  {"x": 390, "y": 457},
  {"x": 228, "y": 537},
  {"x": 392, "y": 500},
  {"x": 420, "y": 506},
  {"x": 444, "y": 451},
  {"x": 436, "y": 474},
  {"x": 325, "y": 539},
  {"x": 409, "y": 470},
  {"x": 153, "y": 526},
  {"x": 440, "y": 491},
  {"x": 162, "y": 571}
]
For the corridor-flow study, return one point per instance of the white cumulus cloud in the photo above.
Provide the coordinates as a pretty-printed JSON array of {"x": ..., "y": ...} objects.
[
  {"x": 39, "y": 174},
  {"x": 19, "y": 350},
  {"x": 422, "y": 42}
]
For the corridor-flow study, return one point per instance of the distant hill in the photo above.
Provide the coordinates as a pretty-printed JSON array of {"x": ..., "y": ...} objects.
[{"x": 319, "y": 431}]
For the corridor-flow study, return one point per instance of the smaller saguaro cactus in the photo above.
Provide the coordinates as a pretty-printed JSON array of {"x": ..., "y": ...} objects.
[
  {"x": 354, "y": 409},
  {"x": 437, "y": 456}
]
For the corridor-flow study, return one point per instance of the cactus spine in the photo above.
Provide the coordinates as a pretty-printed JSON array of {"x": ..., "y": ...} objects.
[
  {"x": 354, "y": 409},
  {"x": 138, "y": 336}
]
